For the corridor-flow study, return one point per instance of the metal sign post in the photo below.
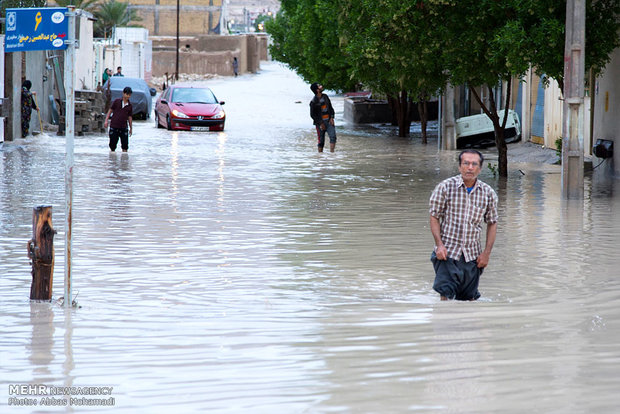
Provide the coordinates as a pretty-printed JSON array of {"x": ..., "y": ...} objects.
[
  {"x": 51, "y": 28},
  {"x": 69, "y": 135}
]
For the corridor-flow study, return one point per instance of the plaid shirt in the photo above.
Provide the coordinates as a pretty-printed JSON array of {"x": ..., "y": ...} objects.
[{"x": 461, "y": 215}]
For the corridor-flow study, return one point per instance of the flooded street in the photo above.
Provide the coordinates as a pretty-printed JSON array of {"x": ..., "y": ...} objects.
[{"x": 243, "y": 272}]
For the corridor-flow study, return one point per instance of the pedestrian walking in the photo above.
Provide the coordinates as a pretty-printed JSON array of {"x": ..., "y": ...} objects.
[
  {"x": 322, "y": 114},
  {"x": 28, "y": 104},
  {"x": 119, "y": 71},
  {"x": 119, "y": 116},
  {"x": 458, "y": 206},
  {"x": 235, "y": 65}
]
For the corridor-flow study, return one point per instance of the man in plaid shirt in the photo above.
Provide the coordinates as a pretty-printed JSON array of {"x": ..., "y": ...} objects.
[{"x": 458, "y": 206}]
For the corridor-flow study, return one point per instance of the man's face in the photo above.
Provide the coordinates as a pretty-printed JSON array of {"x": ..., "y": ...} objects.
[
  {"x": 320, "y": 88},
  {"x": 126, "y": 96},
  {"x": 470, "y": 166}
]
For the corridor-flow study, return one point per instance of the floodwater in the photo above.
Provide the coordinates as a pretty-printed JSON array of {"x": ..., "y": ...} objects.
[{"x": 243, "y": 272}]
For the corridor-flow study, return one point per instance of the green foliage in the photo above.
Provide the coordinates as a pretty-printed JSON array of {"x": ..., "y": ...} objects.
[
  {"x": 392, "y": 46},
  {"x": 10, "y": 4},
  {"x": 558, "y": 149},
  {"x": 493, "y": 169},
  {"x": 112, "y": 13},
  {"x": 538, "y": 33},
  {"x": 417, "y": 46},
  {"x": 259, "y": 23},
  {"x": 306, "y": 37}
]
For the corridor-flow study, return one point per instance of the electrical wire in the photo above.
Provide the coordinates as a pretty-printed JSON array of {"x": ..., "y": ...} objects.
[{"x": 599, "y": 164}]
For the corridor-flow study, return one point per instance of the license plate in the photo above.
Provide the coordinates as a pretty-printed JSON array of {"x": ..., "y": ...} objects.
[{"x": 200, "y": 128}]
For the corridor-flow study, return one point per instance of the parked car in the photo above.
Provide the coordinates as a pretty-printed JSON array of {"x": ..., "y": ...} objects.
[
  {"x": 476, "y": 131},
  {"x": 141, "y": 95},
  {"x": 189, "y": 108}
]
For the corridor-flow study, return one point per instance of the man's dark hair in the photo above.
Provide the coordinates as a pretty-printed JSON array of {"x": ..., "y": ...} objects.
[
  {"x": 471, "y": 151},
  {"x": 314, "y": 87},
  {"x": 127, "y": 90},
  {"x": 27, "y": 84}
]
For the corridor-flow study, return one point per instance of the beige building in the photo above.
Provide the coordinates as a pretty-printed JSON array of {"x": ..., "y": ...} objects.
[
  {"x": 196, "y": 17},
  {"x": 201, "y": 17}
]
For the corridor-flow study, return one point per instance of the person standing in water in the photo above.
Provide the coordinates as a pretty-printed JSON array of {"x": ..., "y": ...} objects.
[
  {"x": 458, "y": 206},
  {"x": 322, "y": 114}
]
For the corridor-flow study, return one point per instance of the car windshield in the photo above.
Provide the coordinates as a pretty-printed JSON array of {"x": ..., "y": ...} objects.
[{"x": 193, "y": 95}]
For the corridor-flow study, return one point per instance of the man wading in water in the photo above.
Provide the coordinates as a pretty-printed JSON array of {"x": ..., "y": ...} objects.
[
  {"x": 322, "y": 114},
  {"x": 458, "y": 206}
]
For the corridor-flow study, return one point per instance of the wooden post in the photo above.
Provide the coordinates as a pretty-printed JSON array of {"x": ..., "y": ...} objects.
[{"x": 41, "y": 253}]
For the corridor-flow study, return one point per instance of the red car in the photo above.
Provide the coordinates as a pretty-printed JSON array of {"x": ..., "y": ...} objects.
[{"x": 190, "y": 109}]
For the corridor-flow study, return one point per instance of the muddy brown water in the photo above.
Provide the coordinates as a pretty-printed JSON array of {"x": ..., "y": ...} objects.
[{"x": 243, "y": 272}]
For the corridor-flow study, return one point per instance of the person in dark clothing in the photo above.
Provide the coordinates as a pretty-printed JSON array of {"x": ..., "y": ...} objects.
[
  {"x": 235, "y": 65},
  {"x": 120, "y": 112},
  {"x": 28, "y": 105},
  {"x": 119, "y": 71},
  {"x": 322, "y": 114}
]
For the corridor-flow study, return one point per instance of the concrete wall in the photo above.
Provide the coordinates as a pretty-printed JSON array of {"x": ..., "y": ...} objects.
[
  {"x": 607, "y": 107},
  {"x": 106, "y": 55},
  {"x": 208, "y": 54},
  {"x": 84, "y": 74},
  {"x": 135, "y": 51},
  {"x": 364, "y": 111}
]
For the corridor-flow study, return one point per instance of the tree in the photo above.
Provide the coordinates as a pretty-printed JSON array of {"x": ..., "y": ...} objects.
[
  {"x": 541, "y": 23},
  {"x": 502, "y": 39},
  {"x": 305, "y": 36},
  {"x": 111, "y": 14},
  {"x": 392, "y": 50},
  {"x": 9, "y": 4},
  {"x": 476, "y": 53}
]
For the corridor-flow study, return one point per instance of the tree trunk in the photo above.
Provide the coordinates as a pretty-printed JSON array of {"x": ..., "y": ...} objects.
[
  {"x": 393, "y": 103},
  {"x": 423, "y": 111},
  {"x": 41, "y": 253},
  {"x": 502, "y": 149},
  {"x": 498, "y": 128}
]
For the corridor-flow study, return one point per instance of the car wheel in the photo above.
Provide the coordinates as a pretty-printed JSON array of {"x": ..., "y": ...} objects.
[
  {"x": 168, "y": 124},
  {"x": 157, "y": 121}
]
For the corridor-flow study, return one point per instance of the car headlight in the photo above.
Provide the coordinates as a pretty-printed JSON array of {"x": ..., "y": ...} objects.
[
  {"x": 179, "y": 114},
  {"x": 219, "y": 115}
]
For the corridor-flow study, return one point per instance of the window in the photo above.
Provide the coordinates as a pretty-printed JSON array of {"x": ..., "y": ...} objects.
[{"x": 193, "y": 95}]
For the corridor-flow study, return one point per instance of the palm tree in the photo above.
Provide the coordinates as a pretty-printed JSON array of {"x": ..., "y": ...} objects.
[{"x": 112, "y": 13}]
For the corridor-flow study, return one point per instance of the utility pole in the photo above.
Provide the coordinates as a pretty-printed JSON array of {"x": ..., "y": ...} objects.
[
  {"x": 69, "y": 141},
  {"x": 573, "y": 109},
  {"x": 178, "y": 46},
  {"x": 448, "y": 120}
]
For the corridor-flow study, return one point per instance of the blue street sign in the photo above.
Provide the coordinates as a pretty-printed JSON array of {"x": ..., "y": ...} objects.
[{"x": 35, "y": 29}]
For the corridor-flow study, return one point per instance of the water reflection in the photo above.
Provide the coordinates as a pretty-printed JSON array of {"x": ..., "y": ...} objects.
[{"x": 42, "y": 339}]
